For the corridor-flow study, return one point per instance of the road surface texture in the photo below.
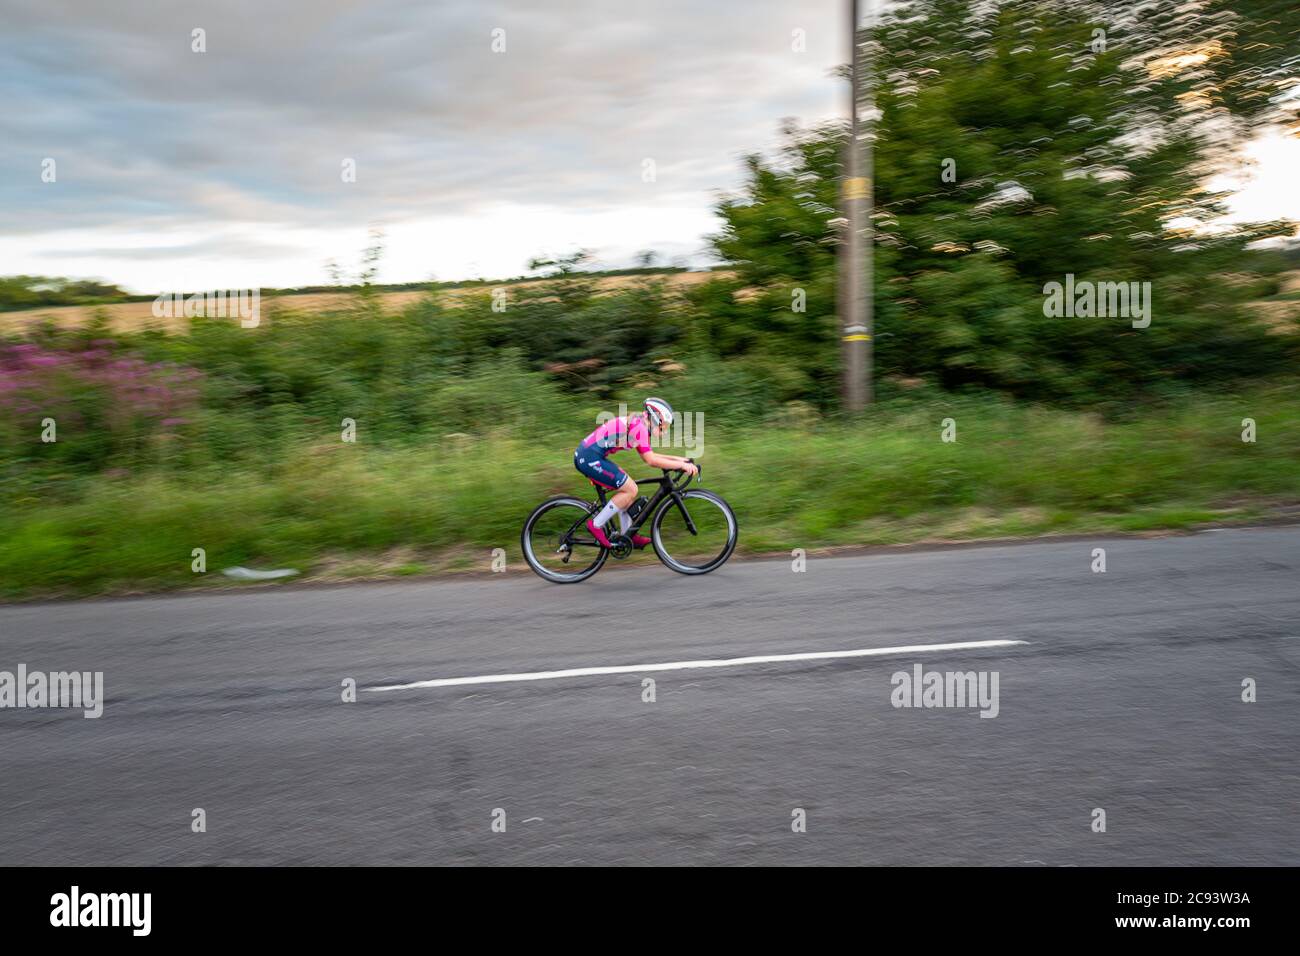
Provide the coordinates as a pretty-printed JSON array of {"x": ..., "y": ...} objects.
[{"x": 1127, "y": 697}]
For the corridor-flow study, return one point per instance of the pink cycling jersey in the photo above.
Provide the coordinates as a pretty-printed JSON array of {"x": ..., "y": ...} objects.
[{"x": 619, "y": 433}]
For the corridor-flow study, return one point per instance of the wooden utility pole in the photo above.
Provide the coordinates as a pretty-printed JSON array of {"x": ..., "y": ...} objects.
[{"x": 855, "y": 252}]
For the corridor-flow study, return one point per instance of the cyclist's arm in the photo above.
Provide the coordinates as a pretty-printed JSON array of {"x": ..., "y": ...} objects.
[{"x": 669, "y": 462}]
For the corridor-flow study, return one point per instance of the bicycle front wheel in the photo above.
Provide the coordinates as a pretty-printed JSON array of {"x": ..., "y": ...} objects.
[
  {"x": 696, "y": 534},
  {"x": 557, "y": 544}
]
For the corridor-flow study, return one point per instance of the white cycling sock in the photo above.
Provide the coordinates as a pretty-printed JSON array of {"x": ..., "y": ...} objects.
[
  {"x": 606, "y": 513},
  {"x": 624, "y": 521}
]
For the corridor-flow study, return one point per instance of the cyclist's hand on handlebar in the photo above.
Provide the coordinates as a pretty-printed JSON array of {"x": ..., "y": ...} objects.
[{"x": 690, "y": 468}]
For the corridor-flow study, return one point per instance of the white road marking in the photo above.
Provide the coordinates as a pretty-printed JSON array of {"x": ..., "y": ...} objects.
[{"x": 693, "y": 665}]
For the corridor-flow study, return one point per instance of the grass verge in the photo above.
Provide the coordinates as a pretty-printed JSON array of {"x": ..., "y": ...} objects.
[{"x": 342, "y": 511}]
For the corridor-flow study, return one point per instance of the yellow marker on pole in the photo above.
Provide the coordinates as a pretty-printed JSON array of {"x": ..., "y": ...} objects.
[{"x": 855, "y": 187}]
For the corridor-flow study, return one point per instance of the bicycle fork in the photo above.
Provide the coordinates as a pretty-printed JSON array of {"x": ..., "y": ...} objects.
[{"x": 686, "y": 515}]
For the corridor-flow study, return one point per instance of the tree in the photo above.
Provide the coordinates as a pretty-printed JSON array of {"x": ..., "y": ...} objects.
[{"x": 1014, "y": 149}]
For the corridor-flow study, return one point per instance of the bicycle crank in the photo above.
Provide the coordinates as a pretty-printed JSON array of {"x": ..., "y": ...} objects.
[{"x": 620, "y": 545}]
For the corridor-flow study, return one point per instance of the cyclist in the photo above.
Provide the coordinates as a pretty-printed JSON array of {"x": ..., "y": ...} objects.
[{"x": 633, "y": 431}]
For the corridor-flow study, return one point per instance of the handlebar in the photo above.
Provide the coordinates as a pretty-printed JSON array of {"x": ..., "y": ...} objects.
[{"x": 678, "y": 486}]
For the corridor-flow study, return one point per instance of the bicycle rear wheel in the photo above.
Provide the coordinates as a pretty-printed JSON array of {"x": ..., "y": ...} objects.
[
  {"x": 557, "y": 544},
  {"x": 696, "y": 537}
]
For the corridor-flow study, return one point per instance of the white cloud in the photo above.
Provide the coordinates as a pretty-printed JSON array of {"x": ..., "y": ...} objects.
[
  {"x": 224, "y": 166},
  {"x": 529, "y": 150}
]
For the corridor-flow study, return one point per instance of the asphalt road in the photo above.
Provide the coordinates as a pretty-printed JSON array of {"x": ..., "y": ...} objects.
[{"x": 1126, "y": 697}]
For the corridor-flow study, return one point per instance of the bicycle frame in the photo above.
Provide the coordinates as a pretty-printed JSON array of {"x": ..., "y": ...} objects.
[{"x": 668, "y": 488}]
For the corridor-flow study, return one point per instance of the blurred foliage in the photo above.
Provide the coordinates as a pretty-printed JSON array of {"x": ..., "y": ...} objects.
[
  {"x": 1014, "y": 469},
  {"x": 1076, "y": 140},
  {"x": 37, "y": 292},
  {"x": 1070, "y": 155},
  {"x": 113, "y": 405}
]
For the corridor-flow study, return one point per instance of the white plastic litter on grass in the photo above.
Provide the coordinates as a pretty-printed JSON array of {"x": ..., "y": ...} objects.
[{"x": 248, "y": 574}]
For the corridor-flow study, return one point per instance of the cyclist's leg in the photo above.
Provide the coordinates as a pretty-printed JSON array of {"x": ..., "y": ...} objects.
[
  {"x": 622, "y": 500},
  {"x": 627, "y": 490},
  {"x": 625, "y": 525},
  {"x": 600, "y": 469},
  {"x": 594, "y": 466},
  {"x": 607, "y": 474}
]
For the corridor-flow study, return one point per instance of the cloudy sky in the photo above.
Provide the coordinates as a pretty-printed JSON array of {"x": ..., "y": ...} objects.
[{"x": 184, "y": 170}]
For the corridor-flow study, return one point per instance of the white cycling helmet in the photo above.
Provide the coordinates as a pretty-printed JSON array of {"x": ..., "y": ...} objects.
[{"x": 660, "y": 412}]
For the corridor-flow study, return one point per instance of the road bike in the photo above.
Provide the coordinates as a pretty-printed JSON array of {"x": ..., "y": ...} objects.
[{"x": 693, "y": 531}]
